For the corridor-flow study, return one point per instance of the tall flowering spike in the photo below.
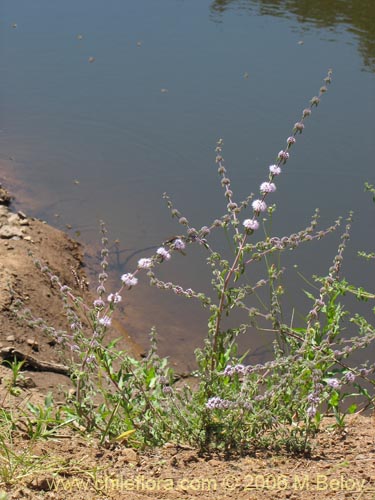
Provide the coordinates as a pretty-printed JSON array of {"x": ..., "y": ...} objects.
[
  {"x": 267, "y": 187},
  {"x": 259, "y": 206}
]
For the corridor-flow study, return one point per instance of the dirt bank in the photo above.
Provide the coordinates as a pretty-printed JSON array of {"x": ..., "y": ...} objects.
[{"x": 22, "y": 240}]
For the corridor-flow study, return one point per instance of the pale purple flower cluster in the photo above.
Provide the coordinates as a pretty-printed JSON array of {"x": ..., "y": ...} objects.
[
  {"x": 217, "y": 403},
  {"x": 334, "y": 383},
  {"x": 163, "y": 253},
  {"x": 129, "y": 280},
  {"x": 267, "y": 187},
  {"x": 275, "y": 170},
  {"x": 349, "y": 377},
  {"x": 145, "y": 263},
  {"x": 299, "y": 126},
  {"x": 291, "y": 140},
  {"x": 251, "y": 224},
  {"x": 178, "y": 244},
  {"x": 311, "y": 411},
  {"x": 99, "y": 303},
  {"x": 105, "y": 321},
  {"x": 315, "y": 101},
  {"x": 283, "y": 156},
  {"x": 232, "y": 370},
  {"x": 259, "y": 206},
  {"x": 313, "y": 398},
  {"x": 115, "y": 298},
  {"x": 206, "y": 230}
]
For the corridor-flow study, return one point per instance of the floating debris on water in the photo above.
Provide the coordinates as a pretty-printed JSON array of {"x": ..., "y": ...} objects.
[
  {"x": 246, "y": 74},
  {"x": 91, "y": 59},
  {"x": 301, "y": 42},
  {"x": 164, "y": 91},
  {"x": 79, "y": 37}
]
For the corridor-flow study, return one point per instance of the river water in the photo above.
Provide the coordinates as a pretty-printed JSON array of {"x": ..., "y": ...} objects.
[{"x": 106, "y": 105}]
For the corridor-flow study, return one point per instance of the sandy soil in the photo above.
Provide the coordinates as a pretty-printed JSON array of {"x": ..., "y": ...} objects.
[{"x": 342, "y": 465}]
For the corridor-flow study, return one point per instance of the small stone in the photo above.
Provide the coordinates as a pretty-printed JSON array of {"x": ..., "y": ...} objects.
[
  {"x": 21, "y": 214},
  {"x": 10, "y": 338},
  {"x": 13, "y": 219},
  {"x": 42, "y": 483},
  {"x": 26, "y": 383},
  {"x": 129, "y": 455},
  {"x": 24, "y": 222},
  {"x": 33, "y": 344},
  {"x": 10, "y": 232},
  {"x": 169, "y": 445},
  {"x": 214, "y": 463},
  {"x": 5, "y": 197},
  {"x": 190, "y": 458}
]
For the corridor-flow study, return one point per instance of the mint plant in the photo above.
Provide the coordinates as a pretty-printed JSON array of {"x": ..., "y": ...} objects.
[{"x": 236, "y": 406}]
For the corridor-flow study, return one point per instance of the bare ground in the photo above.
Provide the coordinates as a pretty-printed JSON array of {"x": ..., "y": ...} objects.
[{"x": 342, "y": 466}]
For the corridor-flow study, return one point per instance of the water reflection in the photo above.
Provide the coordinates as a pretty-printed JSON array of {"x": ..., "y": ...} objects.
[{"x": 355, "y": 16}]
